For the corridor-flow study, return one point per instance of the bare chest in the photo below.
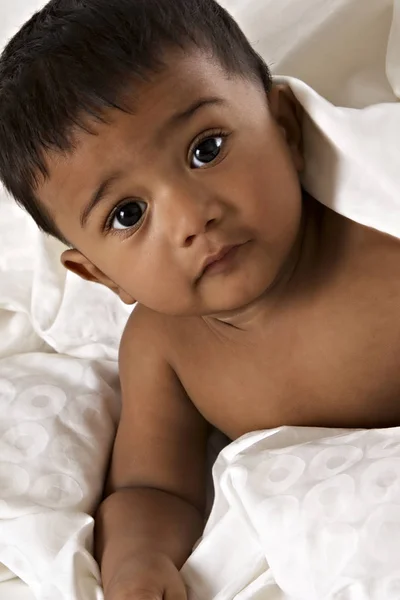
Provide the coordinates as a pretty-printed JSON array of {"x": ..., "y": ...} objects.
[{"x": 332, "y": 360}]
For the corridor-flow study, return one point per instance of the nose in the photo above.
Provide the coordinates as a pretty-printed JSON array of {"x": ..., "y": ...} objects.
[{"x": 188, "y": 213}]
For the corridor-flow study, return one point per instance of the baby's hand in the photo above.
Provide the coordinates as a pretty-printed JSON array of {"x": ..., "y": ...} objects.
[{"x": 149, "y": 577}]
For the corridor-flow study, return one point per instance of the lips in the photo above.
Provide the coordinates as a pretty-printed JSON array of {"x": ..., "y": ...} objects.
[{"x": 220, "y": 260}]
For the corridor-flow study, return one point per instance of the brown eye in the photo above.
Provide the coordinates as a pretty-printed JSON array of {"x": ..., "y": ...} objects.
[
  {"x": 128, "y": 215},
  {"x": 206, "y": 151}
]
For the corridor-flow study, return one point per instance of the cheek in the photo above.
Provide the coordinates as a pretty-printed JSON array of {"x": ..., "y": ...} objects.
[
  {"x": 273, "y": 182},
  {"x": 152, "y": 279},
  {"x": 140, "y": 273},
  {"x": 272, "y": 205}
]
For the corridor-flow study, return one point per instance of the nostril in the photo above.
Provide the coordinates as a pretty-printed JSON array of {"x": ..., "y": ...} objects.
[
  {"x": 210, "y": 223},
  {"x": 189, "y": 240}
]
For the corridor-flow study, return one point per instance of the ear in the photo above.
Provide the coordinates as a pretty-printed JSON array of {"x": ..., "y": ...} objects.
[
  {"x": 288, "y": 113},
  {"x": 77, "y": 263}
]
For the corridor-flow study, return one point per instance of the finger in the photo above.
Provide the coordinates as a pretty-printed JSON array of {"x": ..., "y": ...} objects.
[
  {"x": 131, "y": 592},
  {"x": 176, "y": 590}
]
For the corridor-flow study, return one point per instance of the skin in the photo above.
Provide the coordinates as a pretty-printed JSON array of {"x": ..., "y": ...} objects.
[{"x": 300, "y": 326}]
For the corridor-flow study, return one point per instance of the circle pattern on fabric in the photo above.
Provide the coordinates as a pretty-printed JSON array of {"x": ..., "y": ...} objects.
[
  {"x": 329, "y": 499},
  {"x": 278, "y": 516},
  {"x": 7, "y": 392},
  {"x": 334, "y": 460},
  {"x": 14, "y": 480},
  {"x": 57, "y": 491},
  {"x": 40, "y": 402},
  {"x": 389, "y": 587},
  {"x": 71, "y": 453},
  {"x": 23, "y": 442},
  {"x": 380, "y": 481},
  {"x": 382, "y": 534},
  {"x": 15, "y": 560},
  {"x": 280, "y": 473}
]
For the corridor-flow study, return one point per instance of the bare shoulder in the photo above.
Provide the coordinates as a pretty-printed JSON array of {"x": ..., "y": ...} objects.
[
  {"x": 158, "y": 334},
  {"x": 144, "y": 326},
  {"x": 144, "y": 358}
]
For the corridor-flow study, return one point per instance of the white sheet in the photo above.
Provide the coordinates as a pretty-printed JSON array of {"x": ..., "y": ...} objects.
[
  {"x": 341, "y": 49},
  {"x": 15, "y": 589},
  {"x": 58, "y": 418},
  {"x": 303, "y": 514}
]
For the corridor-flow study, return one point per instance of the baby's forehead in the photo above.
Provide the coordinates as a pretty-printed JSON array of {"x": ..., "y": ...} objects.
[
  {"x": 185, "y": 84},
  {"x": 182, "y": 76}
]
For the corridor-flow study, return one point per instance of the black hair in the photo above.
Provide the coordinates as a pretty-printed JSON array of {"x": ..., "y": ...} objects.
[{"x": 73, "y": 59}]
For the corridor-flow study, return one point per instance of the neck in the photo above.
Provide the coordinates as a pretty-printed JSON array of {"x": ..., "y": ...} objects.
[{"x": 296, "y": 270}]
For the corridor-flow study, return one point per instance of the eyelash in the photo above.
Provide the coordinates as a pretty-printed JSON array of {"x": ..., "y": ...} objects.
[
  {"x": 204, "y": 136},
  {"x": 107, "y": 226}
]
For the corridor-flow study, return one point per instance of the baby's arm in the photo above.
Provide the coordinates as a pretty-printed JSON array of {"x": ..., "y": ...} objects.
[{"x": 153, "y": 514}]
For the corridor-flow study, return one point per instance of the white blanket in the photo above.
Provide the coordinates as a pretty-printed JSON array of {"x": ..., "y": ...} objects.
[
  {"x": 303, "y": 514},
  {"x": 59, "y": 341}
]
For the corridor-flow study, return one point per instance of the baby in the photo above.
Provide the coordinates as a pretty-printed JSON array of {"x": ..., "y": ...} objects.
[{"x": 148, "y": 136}]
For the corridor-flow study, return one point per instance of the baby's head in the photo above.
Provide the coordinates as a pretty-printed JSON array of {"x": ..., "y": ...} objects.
[{"x": 146, "y": 135}]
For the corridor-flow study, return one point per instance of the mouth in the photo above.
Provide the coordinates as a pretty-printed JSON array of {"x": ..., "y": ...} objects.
[{"x": 220, "y": 261}]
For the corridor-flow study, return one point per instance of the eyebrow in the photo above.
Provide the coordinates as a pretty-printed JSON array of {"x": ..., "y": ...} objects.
[
  {"x": 189, "y": 112},
  {"x": 174, "y": 121},
  {"x": 99, "y": 195}
]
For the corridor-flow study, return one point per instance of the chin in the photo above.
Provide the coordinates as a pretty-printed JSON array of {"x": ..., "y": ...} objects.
[
  {"x": 254, "y": 271},
  {"x": 232, "y": 299}
]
